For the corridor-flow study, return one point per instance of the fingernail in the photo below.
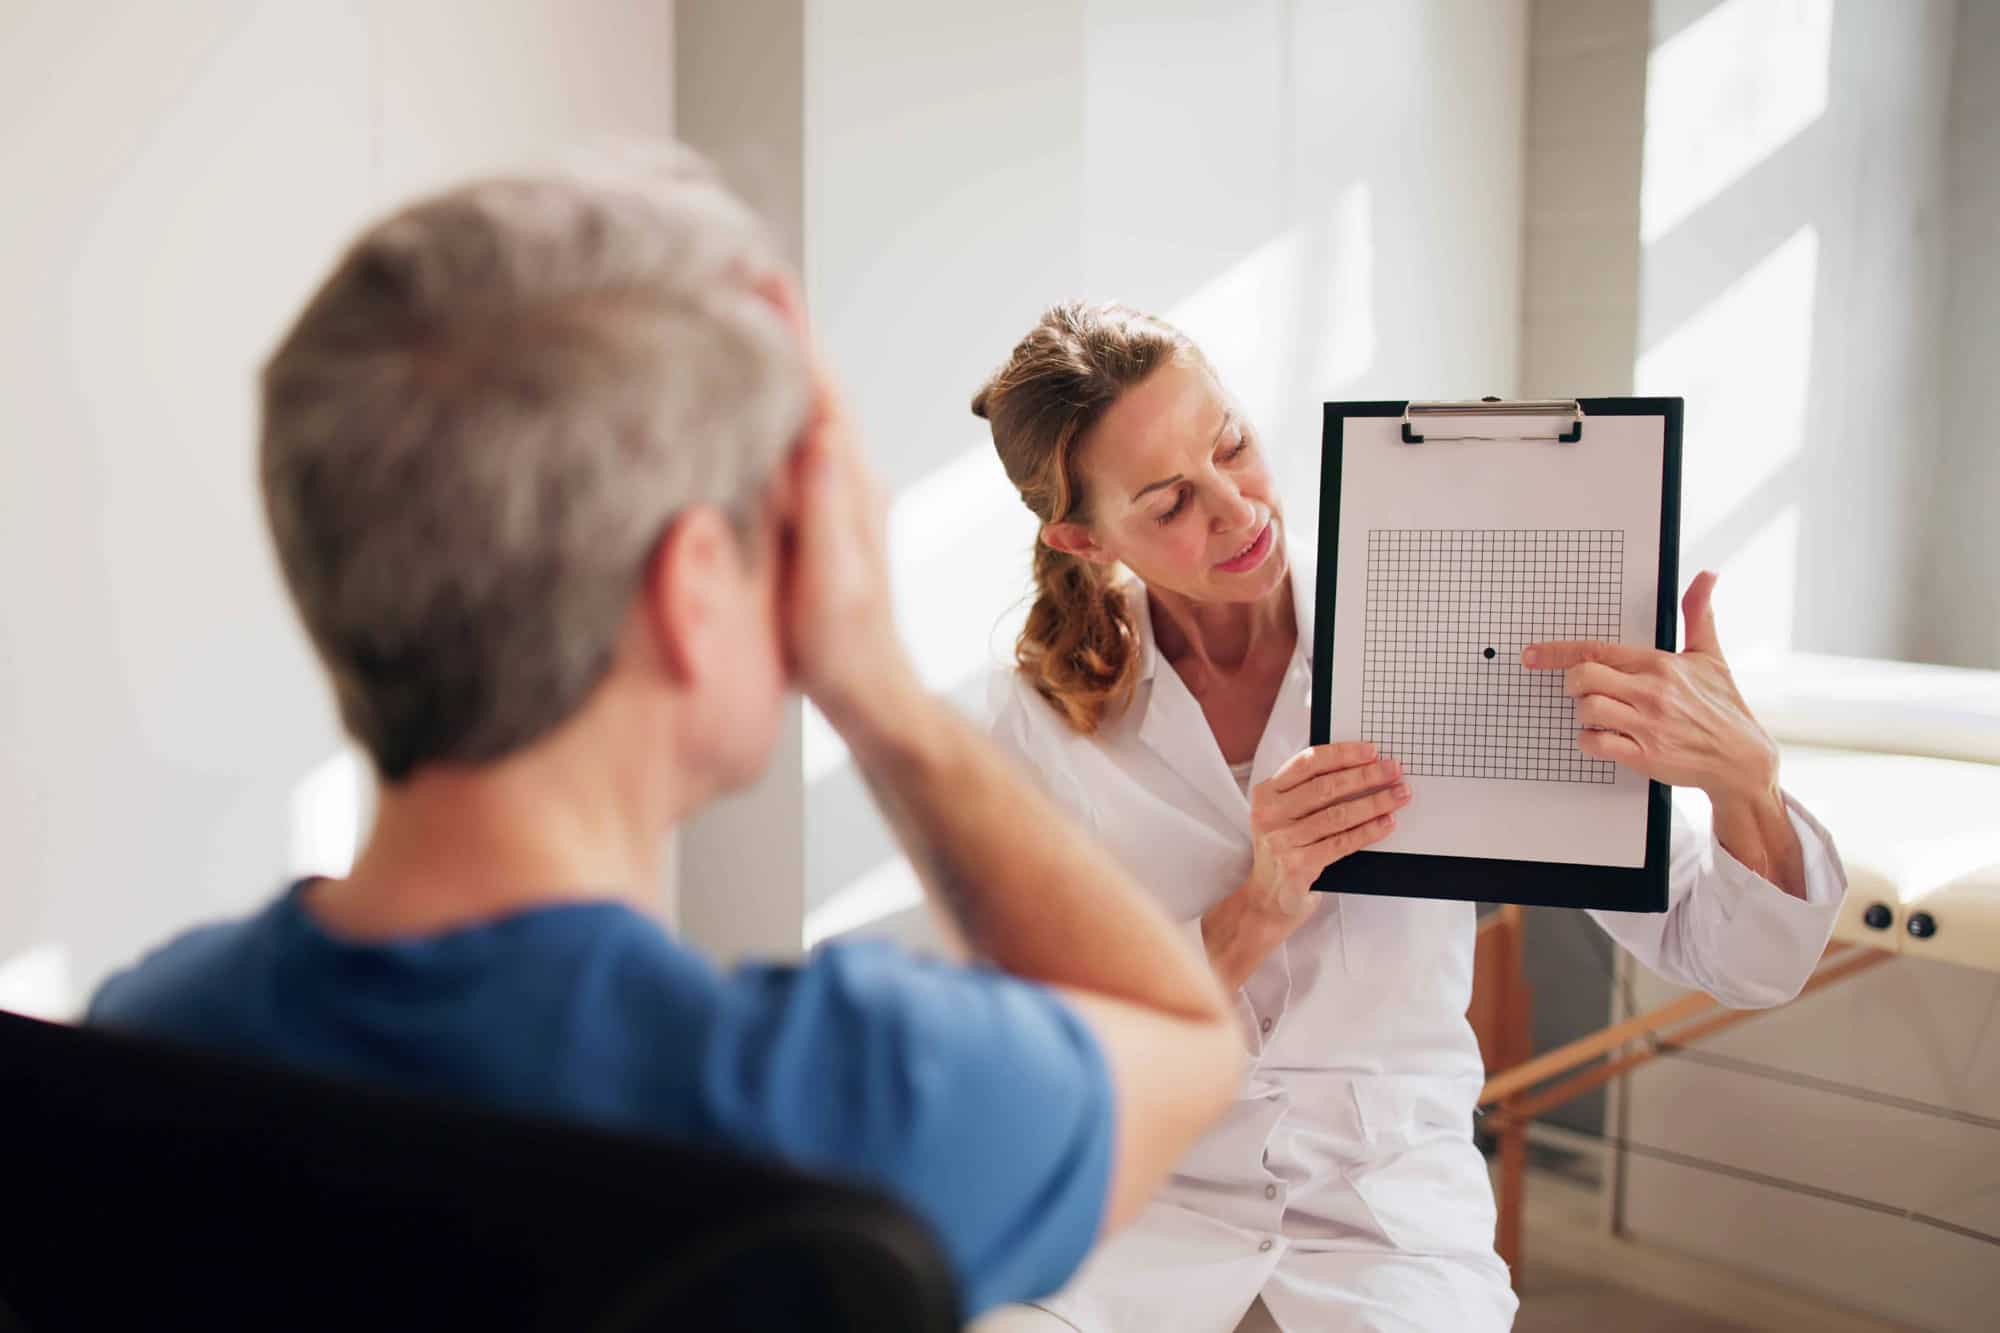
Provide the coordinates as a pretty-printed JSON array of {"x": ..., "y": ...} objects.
[
  {"x": 1529, "y": 657},
  {"x": 1367, "y": 750},
  {"x": 1402, "y": 791},
  {"x": 1393, "y": 768}
]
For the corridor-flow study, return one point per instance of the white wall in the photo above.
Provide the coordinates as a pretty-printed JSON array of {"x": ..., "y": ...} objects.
[
  {"x": 739, "y": 97},
  {"x": 1583, "y": 154},
  {"x": 1586, "y": 129},
  {"x": 944, "y": 187},
  {"x": 179, "y": 176},
  {"x": 1750, "y": 203},
  {"x": 1796, "y": 266},
  {"x": 1961, "y": 611},
  {"x": 1326, "y": 197},
  {"x": 1792, "y": 285}
]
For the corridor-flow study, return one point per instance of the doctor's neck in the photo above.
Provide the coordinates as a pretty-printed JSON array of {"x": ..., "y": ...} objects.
[{"x": 1224, "y": 637}]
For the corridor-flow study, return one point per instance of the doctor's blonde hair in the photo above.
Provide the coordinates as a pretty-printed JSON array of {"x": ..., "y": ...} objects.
[{"x": 1080, "y": 646}]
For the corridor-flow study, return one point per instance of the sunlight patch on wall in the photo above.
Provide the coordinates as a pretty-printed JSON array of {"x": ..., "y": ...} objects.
[
  {"x": 1756, "y": 594},
  {"x": 1344, "y": 355},
  {"x": 1348, "y": 349},
  {"x": 1725, "y": 93},
  {"x": 822, "y": 752},
  {"x": 889, "y": 888},
  {"x": 329, "y": 809},
  {"x": 1744, "y": 364},
  {"x": 960, "y": 550},
  {"x": 38, "y": 983},
  {"x": 960, "y": 546},
  {"x": 1290, "y": 325},
  {"x": 1243, "y": 319}
]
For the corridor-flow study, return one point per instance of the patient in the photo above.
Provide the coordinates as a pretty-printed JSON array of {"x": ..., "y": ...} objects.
[{"x": 568, "y": 505}]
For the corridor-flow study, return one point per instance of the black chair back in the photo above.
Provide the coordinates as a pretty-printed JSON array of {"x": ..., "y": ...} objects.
[{"x": 147, "y": 1186}]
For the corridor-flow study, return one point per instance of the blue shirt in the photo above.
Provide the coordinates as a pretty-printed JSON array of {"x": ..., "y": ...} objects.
[{"x": 981, "y": 1102}]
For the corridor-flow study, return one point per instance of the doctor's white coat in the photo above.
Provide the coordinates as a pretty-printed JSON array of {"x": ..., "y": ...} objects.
[{"x": 1343, "y": 1186}]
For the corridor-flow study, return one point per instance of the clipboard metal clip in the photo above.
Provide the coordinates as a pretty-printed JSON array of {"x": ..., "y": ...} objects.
[{"x": 1557, "y": 419}]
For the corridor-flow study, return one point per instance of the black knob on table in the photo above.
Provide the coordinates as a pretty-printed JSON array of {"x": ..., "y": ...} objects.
[
  {"x": 1923, "y": 925},
  {"x": 1878, "y": 916}
]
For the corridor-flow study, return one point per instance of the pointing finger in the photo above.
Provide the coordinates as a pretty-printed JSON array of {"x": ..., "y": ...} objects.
[{"x": 1562, "y": 654}]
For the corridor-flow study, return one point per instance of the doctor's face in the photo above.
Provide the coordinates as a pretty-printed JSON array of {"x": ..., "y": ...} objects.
[{"x": 1178, "y": 490}]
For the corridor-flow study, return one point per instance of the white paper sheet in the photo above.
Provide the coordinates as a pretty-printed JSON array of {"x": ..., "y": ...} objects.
[{"x": 1451, "y": 548}]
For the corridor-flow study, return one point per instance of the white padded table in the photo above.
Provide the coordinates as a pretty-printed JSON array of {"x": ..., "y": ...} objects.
[
  {"x": 1920, "y": 839},
  {"x": 1901, "y": 763}
]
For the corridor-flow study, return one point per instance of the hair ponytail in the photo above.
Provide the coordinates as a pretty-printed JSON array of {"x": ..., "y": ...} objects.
[{"x": 1079, "y": 647}]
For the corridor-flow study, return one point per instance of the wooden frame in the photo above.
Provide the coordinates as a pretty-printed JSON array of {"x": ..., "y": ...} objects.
[{"x": 1501, "y": 1016}]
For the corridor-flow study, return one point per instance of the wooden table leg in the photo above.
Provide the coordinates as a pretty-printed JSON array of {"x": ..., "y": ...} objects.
[{"x": 1513, "y": 1181}]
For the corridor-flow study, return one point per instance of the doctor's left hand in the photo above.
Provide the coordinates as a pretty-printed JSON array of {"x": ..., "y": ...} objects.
[
  {"x": 1674, "y": 717},
  {"x": 1678, "y": 718}
]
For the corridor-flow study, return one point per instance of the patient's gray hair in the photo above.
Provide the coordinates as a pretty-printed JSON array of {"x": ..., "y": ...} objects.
[{"x": 479, "y": 427}]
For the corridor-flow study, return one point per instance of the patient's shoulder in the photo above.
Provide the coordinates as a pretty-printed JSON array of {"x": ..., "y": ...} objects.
[{"x": 174, "y": 986}]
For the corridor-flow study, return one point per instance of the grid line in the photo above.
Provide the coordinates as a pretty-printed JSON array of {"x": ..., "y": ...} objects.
[{"x": 1443, "y": 690}]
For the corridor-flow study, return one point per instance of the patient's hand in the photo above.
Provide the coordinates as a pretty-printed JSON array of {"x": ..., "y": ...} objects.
[{"x": 840, "y": 629}]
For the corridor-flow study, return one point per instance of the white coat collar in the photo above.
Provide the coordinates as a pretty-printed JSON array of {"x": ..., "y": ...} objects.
[{"x": 1172, "y": 724}]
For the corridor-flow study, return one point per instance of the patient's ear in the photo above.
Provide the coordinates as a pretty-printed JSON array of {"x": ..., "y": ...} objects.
[
  {"x": 1075, "y": 539},
  {"x": 693, "y": 575}
]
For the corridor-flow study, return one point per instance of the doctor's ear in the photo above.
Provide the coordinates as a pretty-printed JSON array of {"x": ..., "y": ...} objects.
[{"x": 1075, "y": 539}]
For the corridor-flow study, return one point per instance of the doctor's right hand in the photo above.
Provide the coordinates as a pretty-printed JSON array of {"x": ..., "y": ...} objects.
[{"x": 1323, "y": 804}]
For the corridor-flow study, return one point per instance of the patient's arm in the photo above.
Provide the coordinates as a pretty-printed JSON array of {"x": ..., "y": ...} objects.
[{"x": 1029, "y": 889}]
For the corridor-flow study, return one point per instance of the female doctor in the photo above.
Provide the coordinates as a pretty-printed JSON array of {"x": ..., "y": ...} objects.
[{"x": 1168, "y": 709}]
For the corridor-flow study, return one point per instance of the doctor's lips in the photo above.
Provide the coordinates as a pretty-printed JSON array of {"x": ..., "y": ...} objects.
[{"x": 1252, "y": 555}]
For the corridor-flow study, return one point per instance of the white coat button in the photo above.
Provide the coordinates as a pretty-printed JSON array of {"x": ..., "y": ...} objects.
[
  {"x": 1265, "y": 1246},
  {"x": 1270, "y": 1191},
  {"x": 1265, "y": 1026}
]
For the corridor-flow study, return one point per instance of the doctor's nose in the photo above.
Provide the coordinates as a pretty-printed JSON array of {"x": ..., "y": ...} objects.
[{"x": 1234, "y": 512}]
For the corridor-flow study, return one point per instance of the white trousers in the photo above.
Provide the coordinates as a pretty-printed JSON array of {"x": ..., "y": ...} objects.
[{"x": 1166, "y": 1274}]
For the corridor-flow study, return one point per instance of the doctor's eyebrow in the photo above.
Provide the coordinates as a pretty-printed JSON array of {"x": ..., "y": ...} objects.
[{"x": 1177, "y": 478}]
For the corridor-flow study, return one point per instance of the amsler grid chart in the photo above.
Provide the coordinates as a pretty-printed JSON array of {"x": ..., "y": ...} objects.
[{"x": 1443, "y": 690}]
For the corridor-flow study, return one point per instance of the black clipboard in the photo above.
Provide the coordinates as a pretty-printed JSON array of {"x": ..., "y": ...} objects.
[{"x": 1531, "y": 883}]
